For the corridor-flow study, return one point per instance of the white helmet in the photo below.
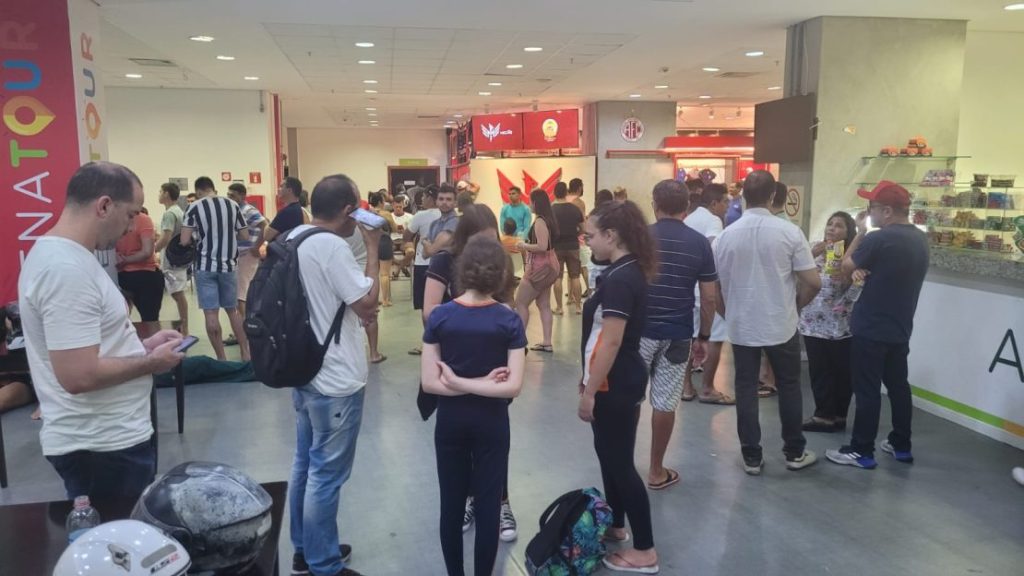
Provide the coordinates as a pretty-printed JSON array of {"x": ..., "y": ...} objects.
[{"x": 123, "y": 548}]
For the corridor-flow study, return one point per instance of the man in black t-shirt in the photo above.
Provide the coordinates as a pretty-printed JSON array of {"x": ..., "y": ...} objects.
[
  {"x": 891, "y": 264},
  {"x": 288, "y": 217},
  {"x": 567, "y": 246}
]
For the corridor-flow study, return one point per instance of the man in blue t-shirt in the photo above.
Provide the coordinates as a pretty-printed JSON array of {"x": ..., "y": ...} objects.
[
  {"x": 684, "y": 259},
  {"x": 517, "y": 211},
  {"x": 891, "y": 264}
]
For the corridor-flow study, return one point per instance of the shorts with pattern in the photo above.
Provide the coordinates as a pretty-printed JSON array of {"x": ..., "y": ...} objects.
[{"x": 666, "y": 363}]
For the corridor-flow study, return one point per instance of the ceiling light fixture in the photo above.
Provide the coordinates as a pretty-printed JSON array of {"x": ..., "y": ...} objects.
[
  {"x": 754, "y": 53},
  {"x": 660, "y": 86},
  {"x": 710, "y": 69},
  {"x": 367, "y": 62},
  {"x": 457, "y": 115},
  {"x": 372, "y": 109},
  {"x": 1014, "y": 7},
  {"x": 250, "y": 77},
  {"x": 636, "y": 95},
  {"x": 364, "y": 44},
  {"x": 369, "y": 81},
  {"x": 533, "y": 49},
  {"x": 494, "y": 83},
  {"x": 201, "y": 38},
  {"x": 513, "y": 66},
  {"x": 775, "y": 87},
  {"x": 225, "y": 58},
  {"x": 704, "y": 97},
  {"x": 370, "y": 91},
  {"x": 484, "y": 93},
  {"x": 133, "y": 76},
  {"x": 372, "y": 114}
]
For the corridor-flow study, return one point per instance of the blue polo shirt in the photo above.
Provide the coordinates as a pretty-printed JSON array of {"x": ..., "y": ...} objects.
[{"x": 684, "y": 258}]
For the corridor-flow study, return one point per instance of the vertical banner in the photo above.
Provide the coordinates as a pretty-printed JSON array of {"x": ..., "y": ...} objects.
[{"x": 40, "y": 134}]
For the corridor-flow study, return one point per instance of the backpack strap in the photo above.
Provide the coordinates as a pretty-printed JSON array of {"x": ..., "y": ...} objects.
[
  {"x": 335, "y": 331},
  {"x": 565, "y": 503}
]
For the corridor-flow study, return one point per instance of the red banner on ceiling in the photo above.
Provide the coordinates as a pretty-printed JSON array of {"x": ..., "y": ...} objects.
[
  {"x": 551, "y": 130},
  {"x": 497, "y": 132},
  {"x": 39, "y": 131}
]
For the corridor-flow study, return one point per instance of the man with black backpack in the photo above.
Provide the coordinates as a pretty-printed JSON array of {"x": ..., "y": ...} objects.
[{"x": 322, "y": 356}]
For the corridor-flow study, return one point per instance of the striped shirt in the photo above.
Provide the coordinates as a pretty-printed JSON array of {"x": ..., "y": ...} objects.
[
  {"x": 684, "y": 259},
  {"x": 216, "y": 221},
  {"x": 252, "y": 218}
]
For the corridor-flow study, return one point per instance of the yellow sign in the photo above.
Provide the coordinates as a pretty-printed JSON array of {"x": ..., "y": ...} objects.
[{"x": 412, "y": 162}]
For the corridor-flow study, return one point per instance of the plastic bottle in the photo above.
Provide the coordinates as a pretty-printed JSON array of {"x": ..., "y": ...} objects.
[{"x": 82, "y": 518}]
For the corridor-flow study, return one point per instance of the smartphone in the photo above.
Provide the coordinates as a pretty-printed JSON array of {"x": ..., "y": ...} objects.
[
  {"x": 186, "y": 343},
  {"x": 368, "y": 219}
]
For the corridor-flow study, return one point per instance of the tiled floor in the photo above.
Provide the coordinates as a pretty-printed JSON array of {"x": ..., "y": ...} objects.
[{"x": 955, "y": 511}]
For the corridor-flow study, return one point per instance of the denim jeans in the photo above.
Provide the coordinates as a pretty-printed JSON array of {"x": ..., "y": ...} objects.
[
  {"x": 121, "y": 474},
  {"x": 326, "y": 430},
  {"x": 875, "y": 363},
  {"x": 785, "y": 361}
]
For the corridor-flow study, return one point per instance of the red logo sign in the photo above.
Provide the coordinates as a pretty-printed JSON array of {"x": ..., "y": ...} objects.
[
  {"x": 529, "y": 184},
  {"x": 632, "y": 129},
  {"x": 255, "y": 178},
  {"x": 551, "y": 130},
  {"x": 497, "y": 132},
  {"x": 225, "y": 176}
]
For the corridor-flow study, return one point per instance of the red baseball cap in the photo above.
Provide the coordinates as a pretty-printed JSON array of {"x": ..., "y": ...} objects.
[{"x": 886, "y": 193}]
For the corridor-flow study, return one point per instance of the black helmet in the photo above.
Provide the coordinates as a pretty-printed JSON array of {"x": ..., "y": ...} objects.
[{"x": 218, "y": 513}]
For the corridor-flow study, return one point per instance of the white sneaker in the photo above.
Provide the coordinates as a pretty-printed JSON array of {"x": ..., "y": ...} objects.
[
  {"x": 507, "y": 524},
  {"x": 1018, "y": 475},
  {"x": 753, "y": 467},
  {"x": 803, "y": 461}
]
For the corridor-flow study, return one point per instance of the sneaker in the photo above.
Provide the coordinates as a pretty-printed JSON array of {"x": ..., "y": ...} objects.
[
  {"x": 1018, "y": 475},
  {"x": 847, "y": 457},
  {"x": 905, "y": 457},
  {"x": 507, "y": 524},
  {"x": 300, "y": 568},
  {"x": 800, "y": 462},
  {"x": 469, "y": 516},
  {"x": 753, "y": 466}
]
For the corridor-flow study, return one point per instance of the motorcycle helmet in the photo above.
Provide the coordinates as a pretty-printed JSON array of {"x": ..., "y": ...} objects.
[
  {"x": 123, "y": 548},
  {"x": 219, "y": 514}
]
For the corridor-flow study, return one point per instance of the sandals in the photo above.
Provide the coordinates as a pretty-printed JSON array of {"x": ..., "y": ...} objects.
[
  {"x": 718, "y": 398},
  {"x": 628, "y": 566},
  {"x": 380, "y": 359},
  {"x": 688, "y": 397},
  {"x": 766, "y": 391},
  {"x": 416, "y": 351},
  {"x": 557, "y": 312},
  {"x": 542, "y": 348},
  {"x": 673, "y": 478},
  {"x": 613, "y": 540}
]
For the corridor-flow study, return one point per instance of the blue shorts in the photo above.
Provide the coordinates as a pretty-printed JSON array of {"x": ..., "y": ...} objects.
[{"x": 217, "y": 290}]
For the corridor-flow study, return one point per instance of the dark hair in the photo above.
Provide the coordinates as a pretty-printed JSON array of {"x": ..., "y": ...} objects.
[
  {"x": 693, "y": 200},
  {"x": 375, "y": 199},
  {"x": 293, "y": 184},
  {"x": 238, "y": 188},
  {"x": 851, "y": 226},
  {"x": 713, "y": 193},
  {"x": 446, "y": 188},
  {"x": 304, "y": 199},
  {"x": 509, "y": 226},
  {"x": 670, "y": 197},
  {"x": 576, "y": 186},
  {"x": 464, "y": 198},
  {"x": 695, "y": 185},
  {"x": 476, "y": 218},
  {"x": 627, "y": 220},
  {"x": 203, "y": 183},
  {"x": 603, "y": 196},
  {"x": 482, "y": 265},
  {"x": 97, "y": 179},
  {"x": 561, "y": 190},
  {"x": 191, "y": 195},
  {"x": 758, "y": 188},
  {"x": 515, "y": 189},
  {"x": 332, "y": 194},
  {"x": 779, "y": 198},
  {"x": 172, "y": 190},
  {"x": 433, "y": 190},
  {"x": 542, "y": 208}
]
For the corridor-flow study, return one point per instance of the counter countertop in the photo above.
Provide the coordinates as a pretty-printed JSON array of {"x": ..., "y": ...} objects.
[{"x": 977, "y": 263}]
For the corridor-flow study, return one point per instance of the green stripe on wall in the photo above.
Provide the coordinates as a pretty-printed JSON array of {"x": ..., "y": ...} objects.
[{"x": 966, "y": 410}]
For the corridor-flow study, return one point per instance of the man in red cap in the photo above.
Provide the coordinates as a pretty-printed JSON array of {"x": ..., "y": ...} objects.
[{"x": 892, "y": 263}]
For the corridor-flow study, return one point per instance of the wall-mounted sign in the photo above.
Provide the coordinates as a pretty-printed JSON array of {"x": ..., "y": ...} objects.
[
  {"x": 551, "y": 129},
  {"x": 792, "y": 202},
  {"x": 498, "y": 132},
  {"x": 413, "y": 162},
  {"x": 225, "y": 176},
  {"x": 255, "y": 178},
  {"x": 632, "y": 129},
  {"x": 182, "y": 183}
]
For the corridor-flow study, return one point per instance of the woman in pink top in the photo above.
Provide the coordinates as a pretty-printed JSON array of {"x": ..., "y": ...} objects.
[{"x": 137, "y": 272}]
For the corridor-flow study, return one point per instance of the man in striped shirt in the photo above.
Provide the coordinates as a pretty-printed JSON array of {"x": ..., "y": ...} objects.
[
  {"x": 217, "y": 224},
  {"x": 684, "y": 259}
]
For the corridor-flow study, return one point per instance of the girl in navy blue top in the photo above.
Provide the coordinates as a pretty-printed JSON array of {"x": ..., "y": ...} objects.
[
  {"x": 474, "y": 353},
  {"x": 614, "y": 375}
]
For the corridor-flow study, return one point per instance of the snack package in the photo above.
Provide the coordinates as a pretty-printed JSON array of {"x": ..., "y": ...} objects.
[{"x": 834, "y": 257}]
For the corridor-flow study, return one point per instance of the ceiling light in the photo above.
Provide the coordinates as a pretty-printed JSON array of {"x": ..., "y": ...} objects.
[
  {"x": 660, "y": 86},
  {"x": 225, "y": 58},
  {"x": 133, "y": 76},
  {"x": 364, "y": 44},
  {"x": 710, "y": 69},
  {"x": 494, "y": 83},
  {"x": 775, "y": 87},
  {"x": 372, "y": 114},
  {"x": 251, "y": 77},
  {"x": 370, "y": 91},
  {"x": 704, "y": 97},
  {"x": 533, "y": 49},
  {"x": 372, "y": 109},
  {"x": 636, "y": 95},
  {"x": 369, "y": 81},
  {"x": 1012, "y": 7},
  {"x": 513, "y": 66},
  {"x": 367, "y": 61},
  {"x": 201, "y": 38},
  {"x": 754, "y": 53},
  {"x": 484, "y": 93},
  {"x": 458, "y": 115}
]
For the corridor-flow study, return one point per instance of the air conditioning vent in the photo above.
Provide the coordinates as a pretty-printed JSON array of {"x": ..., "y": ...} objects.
[
  {"x": 159, "y": 62},
  {"x": 736, "y": 74},
  {"x": 428, "y": 117}
]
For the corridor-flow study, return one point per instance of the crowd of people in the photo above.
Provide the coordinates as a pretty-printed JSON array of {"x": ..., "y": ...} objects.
[{"x": 657, "y": 301}]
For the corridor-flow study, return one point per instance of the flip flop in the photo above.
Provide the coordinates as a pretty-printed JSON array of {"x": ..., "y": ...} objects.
[
  {"x": 542, "y": 348},
  {"x": 557, "y": 312},
  {"x": 628, "y": 566},
  {"x": 673, "y": 478},
  {"x": 611, "y": 539},
  {"x": 719, "y": 399},
  {"x": 379, "y": 360},
  {"x": 765, "y": 391},
  {"x": 415, "y": 351},
  {"x": 688, "y": 397}
]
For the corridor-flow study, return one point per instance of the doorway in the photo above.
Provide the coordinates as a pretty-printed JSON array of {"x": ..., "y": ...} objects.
[{"x": 409, "y": 176}]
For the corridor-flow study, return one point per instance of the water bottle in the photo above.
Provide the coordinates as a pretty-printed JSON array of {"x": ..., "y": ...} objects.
[{"x": 82, "y": 518}]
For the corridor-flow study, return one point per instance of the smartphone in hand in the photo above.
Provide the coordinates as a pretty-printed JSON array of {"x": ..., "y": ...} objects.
[
  {"x": 186, "y": 343},
  {"x": 368, "y": 219}
]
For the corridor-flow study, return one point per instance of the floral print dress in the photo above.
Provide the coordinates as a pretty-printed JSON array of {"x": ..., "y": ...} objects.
[{"x": 828, "y": 315}]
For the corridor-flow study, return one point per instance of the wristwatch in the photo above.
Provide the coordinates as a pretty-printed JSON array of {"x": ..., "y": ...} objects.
[{"x": 703, "y": 337}]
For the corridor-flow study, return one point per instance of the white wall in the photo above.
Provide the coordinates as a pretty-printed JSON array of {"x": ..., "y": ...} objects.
[
  {"x": 991, "y": 121},
  {"x": 364, "y": 154},
  {"x": 164, "y": 133}
]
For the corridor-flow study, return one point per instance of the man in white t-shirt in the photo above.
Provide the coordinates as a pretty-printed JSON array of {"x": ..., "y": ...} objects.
[
  {"x": 416, "y": 232},
  {"x": 92, "y": 373},
  {"x": 767, "y": 274},
  {"x": 707, "y": 219},
  {"x": 329, "y": 409},
  {"x": 404, "y": 252}
]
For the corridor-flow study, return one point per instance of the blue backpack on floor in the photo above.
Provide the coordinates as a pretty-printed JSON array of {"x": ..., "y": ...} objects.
[{"x": 570, "y": 541}]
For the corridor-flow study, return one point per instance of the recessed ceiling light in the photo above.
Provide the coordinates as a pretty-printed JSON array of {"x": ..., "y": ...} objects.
[
  {"x": 367, "y": 61},
  {"x": 201, "y": 38},
  {"x": 484, "y": 93},
  {"x": 252, "y": 77},
  {"x": 704, "y": 97},
  {"x": 372, "y": 109},
  {"x": 533, "y": 49},
  {"x": 1012, "y": 7},
  {"x": 494, "y": 83},
  {"x": 754, "y": 53},
  {"x": 513, "y": 66},
  {"x": 364, "y": 44},
  {"x": 133, "y": 76},
  {"x": 370, "y": 91},
  {"x": 660, "y": 86},
  {"x": 458, "y": 115},
  {"x": 710, "y": 69},
  {"x": 369, "y": 81},
  {"x": 225, "y": 58},
  {"x": 775, "y": 87},
  {"x": 372, "y": 114},
  {"x": 636, "y": 95}
]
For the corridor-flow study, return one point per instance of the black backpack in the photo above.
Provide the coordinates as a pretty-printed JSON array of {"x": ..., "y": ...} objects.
[
  {"x": 179, "y": 256},
  {"x": 285, "y": 350}
]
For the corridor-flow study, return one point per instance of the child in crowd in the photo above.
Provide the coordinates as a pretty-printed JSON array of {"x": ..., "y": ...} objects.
[
  {"x": 510, "y": 241},
  {"x": 473, "y": 359}
]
